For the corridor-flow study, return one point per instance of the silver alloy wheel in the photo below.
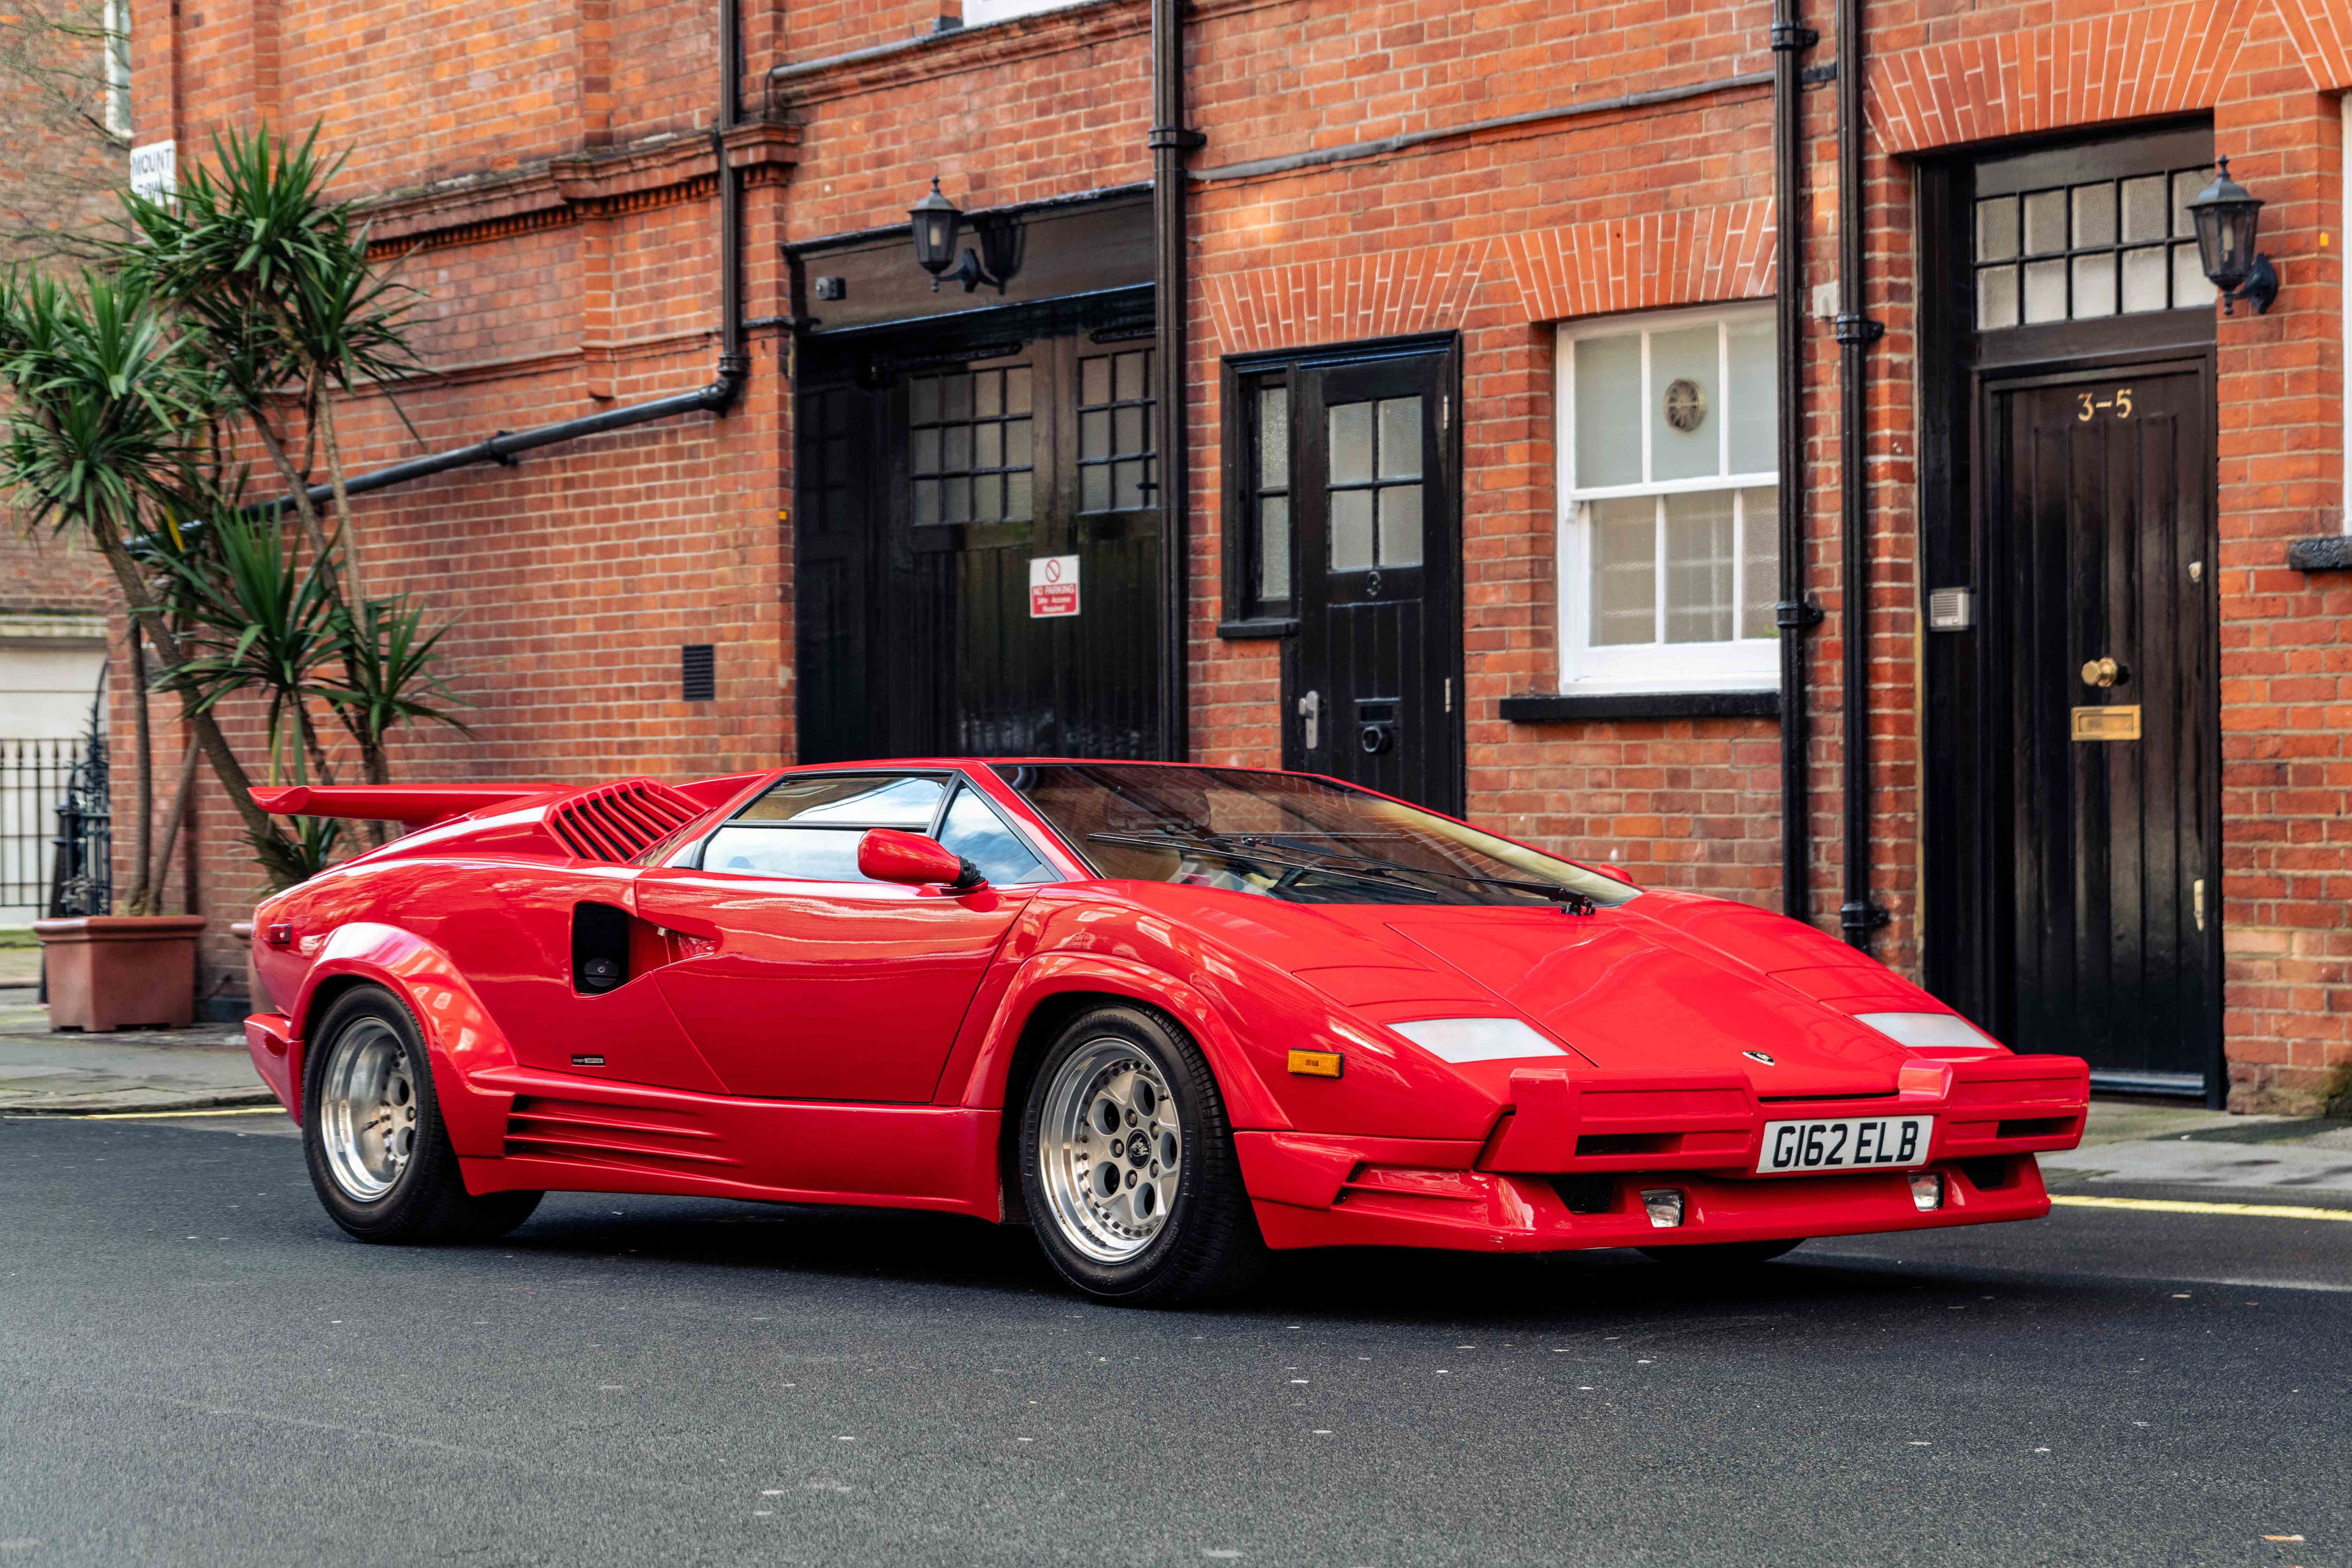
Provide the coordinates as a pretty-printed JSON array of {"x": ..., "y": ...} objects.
[
  {"x": 367, "y": 1110},
  {"x": 1109, "y": 1149}
]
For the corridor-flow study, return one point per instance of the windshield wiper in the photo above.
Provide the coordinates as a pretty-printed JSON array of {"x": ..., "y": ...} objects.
[
  {"x": 1582, "y": 902},
  {"x": 1240, "y": 850}
]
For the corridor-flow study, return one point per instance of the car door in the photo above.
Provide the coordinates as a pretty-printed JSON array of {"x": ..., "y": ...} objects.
[
  {"x": 804, "y": 981},
  {"x": 513, "y": 929}
]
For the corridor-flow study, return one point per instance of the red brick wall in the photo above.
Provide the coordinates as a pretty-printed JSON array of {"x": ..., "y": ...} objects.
[
  {"x": 57, "y": 181},
  {"x": 47, "y": 572},
  {"x": 576, "y": 576}
]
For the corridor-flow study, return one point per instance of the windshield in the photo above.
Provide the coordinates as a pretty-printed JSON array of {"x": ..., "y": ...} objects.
[{"x": 1286, "y": 836}]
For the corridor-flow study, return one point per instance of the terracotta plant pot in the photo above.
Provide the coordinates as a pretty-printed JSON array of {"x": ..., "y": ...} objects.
[{"x": 120, "y": 972}]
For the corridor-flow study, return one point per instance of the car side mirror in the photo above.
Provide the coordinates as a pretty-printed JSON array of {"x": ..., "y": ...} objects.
[
  {"x": 889, "y": 855},
  {"x": 1611, "y": 872}
]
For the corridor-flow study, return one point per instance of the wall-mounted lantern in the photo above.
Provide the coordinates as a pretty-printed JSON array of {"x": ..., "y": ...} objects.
[
  {"x": 2229, "y": 218},
  {"x": 935, "y": 222}
]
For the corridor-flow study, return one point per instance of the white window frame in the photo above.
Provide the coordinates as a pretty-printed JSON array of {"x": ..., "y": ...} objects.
[
  {"x": 115, "y": 47},
  {"x": 981, "y": 13},
  {"x": 1744, "y": 664}
]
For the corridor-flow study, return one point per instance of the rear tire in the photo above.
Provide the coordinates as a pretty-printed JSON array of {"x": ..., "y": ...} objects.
[
  {"x": 1128, "y": 1165},
  {"x": 371, "y": 1130},
  {"x": 1722, "y": 1253}
]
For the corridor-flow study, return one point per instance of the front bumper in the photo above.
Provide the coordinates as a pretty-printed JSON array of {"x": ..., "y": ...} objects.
[
  {"x": 1569, "y": 1156},
  {"x": 269, "y": 1041}
]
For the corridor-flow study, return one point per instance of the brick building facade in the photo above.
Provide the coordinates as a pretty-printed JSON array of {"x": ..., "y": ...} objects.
[{"x": 1485, "y": 475}]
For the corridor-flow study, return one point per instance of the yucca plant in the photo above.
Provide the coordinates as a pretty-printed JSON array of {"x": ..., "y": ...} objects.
[
  {"x": 276, "y": 278},
  {"x": 106, "y": 439},
  {"x": 388, "y": 656},
  {"x": 254, "y": 618}
]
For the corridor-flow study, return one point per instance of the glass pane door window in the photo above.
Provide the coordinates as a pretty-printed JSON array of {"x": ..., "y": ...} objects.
[
  {"x": 969, "y": 447},
  {"x": 1670, "y": 502},
  {"x": 1115, "y": 458},
  {"x": 1343, "y": 536},
  {"x": 2074, "y": 253}
]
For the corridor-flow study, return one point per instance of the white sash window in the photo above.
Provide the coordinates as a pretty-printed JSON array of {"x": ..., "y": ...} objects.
[{"x": 1669, "y": 523}]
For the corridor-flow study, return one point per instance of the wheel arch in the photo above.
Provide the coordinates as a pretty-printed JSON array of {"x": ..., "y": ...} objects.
[
  {"x": 460, "y": 1036},
  {"x": 1051, "y": 989},
  {"x": 1046, "y": 1020}
]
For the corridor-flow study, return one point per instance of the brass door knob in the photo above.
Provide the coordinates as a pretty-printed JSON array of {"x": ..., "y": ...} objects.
[{"x": 2103, "y": 673}]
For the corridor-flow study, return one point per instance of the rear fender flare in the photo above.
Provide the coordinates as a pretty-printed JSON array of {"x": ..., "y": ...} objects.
[
  {"x": 1047, "y": 975},
  {"x": 460, "y": 1036}
]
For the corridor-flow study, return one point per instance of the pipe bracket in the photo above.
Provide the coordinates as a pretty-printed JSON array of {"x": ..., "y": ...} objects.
[
  {"x": 1794, "y": 36},
  {"x": 1859, "y": 918},
  {"x": 1853, "y": 327},
  {"x": 1797, "y": 614},
  {"x": 1178, "y": 137}
]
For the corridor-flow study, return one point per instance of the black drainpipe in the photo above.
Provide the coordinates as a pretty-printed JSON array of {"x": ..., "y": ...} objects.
[
  {"x": 1169, "y": 141},
  {"x": 1857, "y": 916},
  {"x": 734, "y": 364},
  {"x": 1795, "y": 615}
]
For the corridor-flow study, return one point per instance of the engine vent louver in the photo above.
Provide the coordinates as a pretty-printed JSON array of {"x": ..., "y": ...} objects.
[{"x": 619, "y": 822}]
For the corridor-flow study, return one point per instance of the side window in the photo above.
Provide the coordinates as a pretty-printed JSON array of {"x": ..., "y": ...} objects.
[
  {"x": 852, "y": 800},
  {"x": 973, "y": 830},
  {"x": 807, "y": 827},
  {"x": 803, "y": 853}
]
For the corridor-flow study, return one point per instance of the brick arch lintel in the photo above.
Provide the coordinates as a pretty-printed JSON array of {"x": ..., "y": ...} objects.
[
  {"x": 1385, "y": 294},
  {"x": 1691, "y": 256},
  {"x": 2125, "y": 65}
]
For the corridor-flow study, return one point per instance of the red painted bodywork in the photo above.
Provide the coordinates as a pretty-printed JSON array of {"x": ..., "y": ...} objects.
[{"x": 857, "y": 1042}]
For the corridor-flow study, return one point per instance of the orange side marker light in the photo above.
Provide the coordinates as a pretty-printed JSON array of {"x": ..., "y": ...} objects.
[{"x": 1316, "y": 1064}]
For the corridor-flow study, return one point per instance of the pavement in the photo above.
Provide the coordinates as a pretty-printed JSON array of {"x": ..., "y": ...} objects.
[{"x": 47, "y": 1070}]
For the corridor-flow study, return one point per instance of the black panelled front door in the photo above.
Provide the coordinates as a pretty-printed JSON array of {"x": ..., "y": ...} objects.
[
  {"x": 2098, "y": 571},
  {"x": 932, "y": 484},
  {"x": 1373, "y": 677}
]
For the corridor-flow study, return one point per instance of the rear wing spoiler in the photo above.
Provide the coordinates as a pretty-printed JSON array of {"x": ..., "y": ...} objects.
[{"x": 412, "y": 806}]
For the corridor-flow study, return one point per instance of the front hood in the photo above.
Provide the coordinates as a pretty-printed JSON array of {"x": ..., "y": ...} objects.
[
  {"x": 1630, "y": 998},
  {"x": 1624, "y": 989}
]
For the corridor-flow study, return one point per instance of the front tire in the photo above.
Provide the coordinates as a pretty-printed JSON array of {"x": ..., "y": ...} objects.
[
  {"x": 372, "y": 1130},
  {"x": 1128, "y": 1165}
]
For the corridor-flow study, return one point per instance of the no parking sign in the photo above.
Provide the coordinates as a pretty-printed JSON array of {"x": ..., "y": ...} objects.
[{"x": 1053, "y": 586}]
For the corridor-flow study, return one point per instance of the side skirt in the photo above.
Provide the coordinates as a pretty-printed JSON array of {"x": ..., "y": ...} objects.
[{"x": 571, "y": 1134}]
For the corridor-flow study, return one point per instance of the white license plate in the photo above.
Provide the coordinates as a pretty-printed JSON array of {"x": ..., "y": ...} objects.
[{"x": 1859, "y": 1144}]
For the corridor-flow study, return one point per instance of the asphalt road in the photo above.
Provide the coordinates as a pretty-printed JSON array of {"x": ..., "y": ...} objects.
[{"x": 195, "y": 1367}]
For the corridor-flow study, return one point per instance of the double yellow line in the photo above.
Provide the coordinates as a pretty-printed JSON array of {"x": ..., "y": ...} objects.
[
  {"x": 2170, "y": 1205},
  {"x": 164, "y": 1115}
]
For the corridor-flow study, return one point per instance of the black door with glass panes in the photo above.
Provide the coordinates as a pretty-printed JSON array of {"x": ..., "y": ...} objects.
[
  {"x": 1352, "y": 501},
  {"x": 938, "y": 487},
  {"x": 2108, "y": 729},
  {"x": 2072, "y": 776}
]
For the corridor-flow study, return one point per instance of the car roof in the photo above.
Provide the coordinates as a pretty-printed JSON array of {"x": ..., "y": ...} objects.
[{"x": 868, "y": 764}]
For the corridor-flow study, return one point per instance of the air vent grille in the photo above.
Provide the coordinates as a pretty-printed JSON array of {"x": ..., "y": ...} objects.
[
  {"x": 697, "y": 672},
  {"x": 613, "y": 1136},
  {"x": 619, "y": 822}
]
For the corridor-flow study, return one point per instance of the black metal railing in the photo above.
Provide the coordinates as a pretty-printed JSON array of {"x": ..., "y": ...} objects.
[
  {"x": 36, "y": 776},
  {"x": 82, "y": 880},
  {"x": 61, "y": 801}
]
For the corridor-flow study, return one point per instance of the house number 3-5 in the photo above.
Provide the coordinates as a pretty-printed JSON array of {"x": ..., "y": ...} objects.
[{"x": 2120, "y": 403}]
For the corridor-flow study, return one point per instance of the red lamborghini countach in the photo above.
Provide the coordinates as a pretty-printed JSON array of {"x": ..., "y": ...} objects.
[{"x": 1171, "y": 1017}]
